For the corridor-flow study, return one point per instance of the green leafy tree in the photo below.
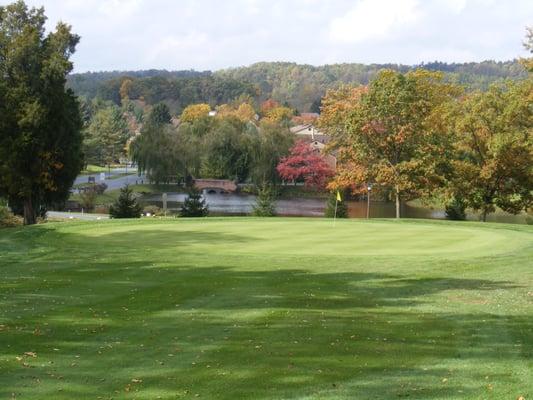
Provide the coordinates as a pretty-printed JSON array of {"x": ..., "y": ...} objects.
[
  {"x": 393, "y": 137},
  {"x": 106, "y": 136},
  {"x": 88, "y": 198},
  {"x": 157, "y": 150},
  {"x": 272, "y": 143},
  {"x": 494, "y": 149},
  {"x": 265, "y": 205},
  {"x": 194, "y": 205},
  {"x": 227, "y": 150},
  {"x": 40, "y": 122},
  {"x": 160, "y": 115},
  {"x": 126, "y": 206}
]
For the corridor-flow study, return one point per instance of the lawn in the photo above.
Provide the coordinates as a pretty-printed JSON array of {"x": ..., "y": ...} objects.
[
  {"x": 243, "y": 308},
  {"x": 93, "y": 169}
]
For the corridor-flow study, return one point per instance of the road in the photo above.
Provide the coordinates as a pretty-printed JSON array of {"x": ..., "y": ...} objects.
[{"x": 117, "y": 182}]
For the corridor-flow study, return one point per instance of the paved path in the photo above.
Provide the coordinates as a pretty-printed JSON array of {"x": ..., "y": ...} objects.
[{"x": 76, "y": 215}]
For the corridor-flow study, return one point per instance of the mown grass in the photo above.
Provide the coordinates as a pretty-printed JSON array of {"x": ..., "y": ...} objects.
[
  {"x": 242, "y": 308},
  {"x": 93, "y": 169}
]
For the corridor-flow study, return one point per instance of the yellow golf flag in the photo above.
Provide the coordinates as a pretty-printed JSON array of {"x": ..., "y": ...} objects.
[{"x": 339, "y": 196}]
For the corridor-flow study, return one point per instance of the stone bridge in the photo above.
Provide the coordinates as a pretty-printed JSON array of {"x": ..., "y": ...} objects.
[{"x": 215, "y": 185}]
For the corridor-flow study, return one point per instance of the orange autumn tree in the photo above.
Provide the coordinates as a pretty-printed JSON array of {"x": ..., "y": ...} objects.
[
  {"x": 244, "y": 111},
  {"x": 388, "y": 133},
  {"x": 268, "y": 105},
  {"x": 194, "y": 112},
  {"x": 337, "y": 106}
]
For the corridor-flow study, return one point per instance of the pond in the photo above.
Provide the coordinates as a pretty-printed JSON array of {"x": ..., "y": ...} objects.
[{"x": 242, "y": 204}]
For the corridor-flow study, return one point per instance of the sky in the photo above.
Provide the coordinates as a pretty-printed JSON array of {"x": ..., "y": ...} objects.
[{"x": 217, "y": 34}]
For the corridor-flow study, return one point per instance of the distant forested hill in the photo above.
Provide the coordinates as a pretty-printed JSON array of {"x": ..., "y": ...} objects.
[{"x": 301, "y": 86}]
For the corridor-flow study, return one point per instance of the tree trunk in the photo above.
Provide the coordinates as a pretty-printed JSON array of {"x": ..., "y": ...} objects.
[
  {"x": 484, "y": 215},
  {"x": 29, "y": 213},
  {"x": 397, "y": 195}
]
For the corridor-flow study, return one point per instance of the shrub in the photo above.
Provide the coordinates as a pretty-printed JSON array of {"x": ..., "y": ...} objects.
[
  {"x": 100, "y": 188},
  {"x": 126, "y": 205},
  {"x": 7, "y": 219},
  {"x": 89, "y": 194},
  {"x": 456, "y": 209},
  {"x": 88, "y": 199},
  {"x": 265, "y": 205},
  {"x": 194, "y": 205},
  {"x": 152, "y": 210},
  {"x": 342, "y": 209}
]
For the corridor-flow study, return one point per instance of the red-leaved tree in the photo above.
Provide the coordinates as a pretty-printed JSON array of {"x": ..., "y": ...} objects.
[{"x": 307, "y": 164}]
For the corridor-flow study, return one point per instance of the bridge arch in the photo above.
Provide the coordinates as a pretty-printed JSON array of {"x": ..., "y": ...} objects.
[{"x": 215, "y": 185}]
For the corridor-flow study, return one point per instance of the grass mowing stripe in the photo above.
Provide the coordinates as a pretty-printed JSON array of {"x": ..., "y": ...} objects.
[{"x": 226, "y": 308}]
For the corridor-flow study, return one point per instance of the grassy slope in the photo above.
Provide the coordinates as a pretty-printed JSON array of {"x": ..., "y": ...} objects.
[
  {"x": 267, "y": 309},
  {"x": 109, "y": 196},
  {"x": 93, "y": 169}
]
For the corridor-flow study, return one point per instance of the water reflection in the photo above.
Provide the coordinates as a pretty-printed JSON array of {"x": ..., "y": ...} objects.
[{"x": 242, "y": 204}]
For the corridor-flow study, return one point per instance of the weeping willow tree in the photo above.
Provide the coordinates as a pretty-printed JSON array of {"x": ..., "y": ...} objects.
[{"x": 157, "y": 149}]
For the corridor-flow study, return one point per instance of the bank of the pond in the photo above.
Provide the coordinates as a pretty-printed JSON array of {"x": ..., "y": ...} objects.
[{"x": 242, "y": 204}]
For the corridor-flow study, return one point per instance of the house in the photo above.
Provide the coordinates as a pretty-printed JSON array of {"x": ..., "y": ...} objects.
[
  {"x": 309, "y": 132},
  {"x": 317, "y": 141}
]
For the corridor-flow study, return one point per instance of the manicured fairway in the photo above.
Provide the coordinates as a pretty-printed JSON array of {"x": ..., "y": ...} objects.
[{"x": 237, "y": 308}]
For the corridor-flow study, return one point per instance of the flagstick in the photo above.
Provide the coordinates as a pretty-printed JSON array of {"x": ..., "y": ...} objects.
[{"x": 335, "y": 216}]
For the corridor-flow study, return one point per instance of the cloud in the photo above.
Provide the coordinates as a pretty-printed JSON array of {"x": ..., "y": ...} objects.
[
  {"x": 176, "y": 46},
  {"x": 455, "y": 5},
  {"x": 371, "y": 19},
  {"x": 119, "y": 8},
  {"x": 210, "y": 34}
]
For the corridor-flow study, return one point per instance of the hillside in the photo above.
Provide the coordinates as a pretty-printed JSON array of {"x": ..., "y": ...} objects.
[{"x": 300, "y": 85}]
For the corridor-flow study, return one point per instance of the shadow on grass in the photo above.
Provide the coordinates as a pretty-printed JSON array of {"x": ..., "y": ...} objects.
[
  {"x": 110, "y": 323},
  {"x": 224, "y": 333}
]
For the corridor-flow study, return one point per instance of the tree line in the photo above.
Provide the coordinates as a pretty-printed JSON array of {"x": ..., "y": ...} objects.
[
  {"x": 411, "y": 133},
  {"x": 231, "y": 145},
  {"x": 415, "y": 135},
  {"x": 300, "y": 86}
]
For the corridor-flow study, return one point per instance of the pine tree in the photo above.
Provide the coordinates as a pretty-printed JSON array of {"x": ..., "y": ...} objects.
[
  {"x": 265, "y": 203},
  {"x": 194, "y": 205},
  {"x": 40, "y": 121},
  {"x": 342, "y": 209},
  {"x": 126, "y": 205},
  {"x": 456, "y": 209}
]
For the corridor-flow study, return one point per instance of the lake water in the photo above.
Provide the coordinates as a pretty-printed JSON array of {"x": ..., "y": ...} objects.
[{"x": 241, "y": 204}]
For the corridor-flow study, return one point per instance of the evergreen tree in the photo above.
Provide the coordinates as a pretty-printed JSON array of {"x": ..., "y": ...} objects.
[
  {"x": 342, "y": 209},
  {"x": 265, "y": 203},
  {"x": 106, "y": 136},
  {"x": 194, "y": 205},
  {"x": 40, "y": 122},
  {"x": 160, "y": 115},
  {"x": 126, "y": 205},
  {"x": 456, "y": 209}
]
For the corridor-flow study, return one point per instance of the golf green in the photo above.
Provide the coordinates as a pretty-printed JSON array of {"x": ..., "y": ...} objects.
[{"x": 280, "y": 308}]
